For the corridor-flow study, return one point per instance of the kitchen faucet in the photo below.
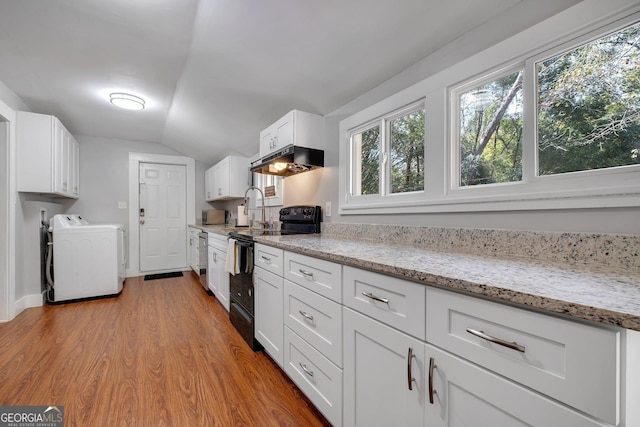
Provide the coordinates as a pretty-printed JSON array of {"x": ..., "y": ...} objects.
[{"x": 246, "y": 203}]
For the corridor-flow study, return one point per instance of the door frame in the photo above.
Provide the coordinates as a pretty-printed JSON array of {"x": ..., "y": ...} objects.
[
  {"x": 133, "y": 265},
  {"x": 8, "y": 195}
]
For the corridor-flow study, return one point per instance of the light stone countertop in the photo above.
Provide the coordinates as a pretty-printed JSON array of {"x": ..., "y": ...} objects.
[{"x": 593, "y": 292}]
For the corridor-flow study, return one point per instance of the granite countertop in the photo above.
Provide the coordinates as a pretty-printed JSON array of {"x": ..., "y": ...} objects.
[
  {"x": 596, "y": 293},
  {"x": 604, "y": 294}
]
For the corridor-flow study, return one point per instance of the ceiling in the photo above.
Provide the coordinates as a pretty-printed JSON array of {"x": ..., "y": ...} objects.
[{"x": 216, "y": 72}]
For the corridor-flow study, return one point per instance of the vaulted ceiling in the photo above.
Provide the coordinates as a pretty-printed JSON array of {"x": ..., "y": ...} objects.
[{"x": 216, "y": 72}]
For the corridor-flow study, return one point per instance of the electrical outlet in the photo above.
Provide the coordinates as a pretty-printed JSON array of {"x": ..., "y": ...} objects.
[
  {"x": 122, "y": 205},
  {"x": 327, "y": 209}
]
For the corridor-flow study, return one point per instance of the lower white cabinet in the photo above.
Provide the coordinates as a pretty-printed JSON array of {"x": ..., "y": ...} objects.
[
  {"x": 462, "y": 394},
  {"x": 269, "y": 312},
  {"x": 217, "y": 277},
  {"x": 194, "y": 249},
  {"x": 477, "y": 363},
  {"x": 315, "y": 375},
  {"x": 384, "y": 374}
]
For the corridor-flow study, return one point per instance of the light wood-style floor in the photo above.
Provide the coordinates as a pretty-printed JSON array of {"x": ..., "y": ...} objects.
[{"x": 163, "y": 353}]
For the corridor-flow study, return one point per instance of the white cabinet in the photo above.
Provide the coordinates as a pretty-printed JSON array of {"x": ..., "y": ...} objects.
[
  {"x": 396, "y": 302},
  {"x": 194, "y": 249},
  {"x": 227, "y": 179},
  {"x": 315, "y": 375},
  {"x": 208, "y": 184},
  {"x": 268, "y": 301},
  {"x": 384, "y": 375},
  {"x": 558, "y": 358},
  {"x": 269, "y": 326},
  {"x": 316, "y": 319},
  {"x": 295, "y": 127},
  {"x": 217, "y": 277},
  {"x": 48, "y": 156},
  {"x": 460, "y": 393}
]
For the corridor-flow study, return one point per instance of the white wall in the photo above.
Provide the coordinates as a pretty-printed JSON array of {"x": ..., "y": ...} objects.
[
  {"x": 322, "y": 187},
  {"x": 104, "y": 177}
]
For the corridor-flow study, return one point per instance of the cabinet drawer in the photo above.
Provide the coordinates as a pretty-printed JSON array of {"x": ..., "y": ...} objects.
[
  {"x": 323, "y": 277},
  {"x": 268, "y": 258},
  {"x": 315, "y": 318},
  {"x": 574, "y": 363},
  {"x": 317, "y": 377},
  {"x": 218, "y": 241},
  {"x": 396, "y": 302}
]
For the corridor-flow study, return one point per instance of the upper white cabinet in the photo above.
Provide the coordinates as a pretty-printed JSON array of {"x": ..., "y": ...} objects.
[
  {"x": 295, "y": 127},
  {"x": 227, "y": 179},
  {"x": 48, "y": 156}
]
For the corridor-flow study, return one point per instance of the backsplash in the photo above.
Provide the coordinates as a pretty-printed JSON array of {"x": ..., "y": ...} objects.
[{"x": 612, "y": 250}]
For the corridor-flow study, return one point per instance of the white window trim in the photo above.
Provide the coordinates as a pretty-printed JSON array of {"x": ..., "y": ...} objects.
[
  {"x": 384, "y": 170},
  {"x": 612, "y": 187}
]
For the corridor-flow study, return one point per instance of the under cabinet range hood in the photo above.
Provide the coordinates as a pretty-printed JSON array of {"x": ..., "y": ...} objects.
[{"x": 289, "y": 161}]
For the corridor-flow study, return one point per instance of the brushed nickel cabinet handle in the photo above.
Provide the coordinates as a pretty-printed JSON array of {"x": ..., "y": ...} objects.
[
  {"x": 410, "y": 378},
  {"x": 305, "y": 273},
  {"x": 432, "y": 366},
  {"x": 375, "y": 298},
  {"x": 511, "y": 345},
  {"x": 305, "y": 315},
  {"x": 306, "y": 370},
  {"x": 265, "y": 258}
]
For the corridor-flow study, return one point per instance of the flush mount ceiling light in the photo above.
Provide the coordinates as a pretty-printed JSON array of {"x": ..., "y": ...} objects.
[{"x": 126, "y": 101}]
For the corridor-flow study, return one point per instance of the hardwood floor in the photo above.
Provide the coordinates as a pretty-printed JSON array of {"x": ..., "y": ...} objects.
[{"x": 163, "y": 353}]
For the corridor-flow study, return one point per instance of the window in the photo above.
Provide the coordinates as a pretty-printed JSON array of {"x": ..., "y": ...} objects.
[
  {"x": 555, "y": 125},
  {"x": 490, "y": 132},
  {"x": 589, "y": 105},
  {"x": 366, "y": 155},
  {"x": 406, "y": 142},
  {"x": 388, "y": 154}
]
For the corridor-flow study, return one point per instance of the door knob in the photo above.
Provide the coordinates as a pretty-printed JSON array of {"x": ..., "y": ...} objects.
[{"x": 142, "y": 221}]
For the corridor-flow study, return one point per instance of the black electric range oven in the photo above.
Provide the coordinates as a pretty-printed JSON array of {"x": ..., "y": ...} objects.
[{"x": 293, "y": 220}]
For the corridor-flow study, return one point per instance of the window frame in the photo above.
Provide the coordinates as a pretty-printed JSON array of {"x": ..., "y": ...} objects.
[
  {"x": 384, "y": 164},
  {"x": 609, "y": 187}
]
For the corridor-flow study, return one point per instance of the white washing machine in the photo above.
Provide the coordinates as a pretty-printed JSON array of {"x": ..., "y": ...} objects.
[{"x": 88, "y": 259}]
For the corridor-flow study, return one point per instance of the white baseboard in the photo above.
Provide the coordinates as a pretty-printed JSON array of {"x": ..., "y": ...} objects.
[{"x": 28, "y": 301}]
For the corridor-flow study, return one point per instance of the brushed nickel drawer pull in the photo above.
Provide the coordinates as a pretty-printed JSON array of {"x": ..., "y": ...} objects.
[
  {"x": 512, "y": 345},
  {"x": 306, "y": 371},
  {"x": 305, "y": 315},
  {"x": 432, "y": 366},
  {"x": 305, "y": 273},
  {"x": 375, "y": 297},
  {"x": 265, "y": 258},
  {"x": 410, "y": 378}
]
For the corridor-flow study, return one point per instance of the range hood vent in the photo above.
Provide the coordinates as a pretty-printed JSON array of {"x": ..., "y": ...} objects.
[{"x": 289, "y": 161}]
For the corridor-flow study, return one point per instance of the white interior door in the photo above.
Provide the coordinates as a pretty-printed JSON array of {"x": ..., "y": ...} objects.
[{"x": 163, "y": 217}]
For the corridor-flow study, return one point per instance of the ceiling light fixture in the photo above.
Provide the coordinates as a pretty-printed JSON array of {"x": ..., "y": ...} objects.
[{"x": 126, "y": 101}]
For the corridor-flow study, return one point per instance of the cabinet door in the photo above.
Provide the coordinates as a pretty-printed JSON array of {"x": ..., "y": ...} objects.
[
  {"x": 74, "y": 170},
  {"x": 222, "y": 279},
  {"x": 464, "y": 394},
  {"x": 212, "y": 283},
  {"x": 221, "y": 179},
  {"x": 60, "y": 159},
  {"x": 284, "y": 131},
  {"x": 267, "y": 139},
  {"x": 194, "y": 253},
  {"x": 269, "y": 313},
  {"x": 208, "y": 184},
  {"x": 379, "y": 363}
]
